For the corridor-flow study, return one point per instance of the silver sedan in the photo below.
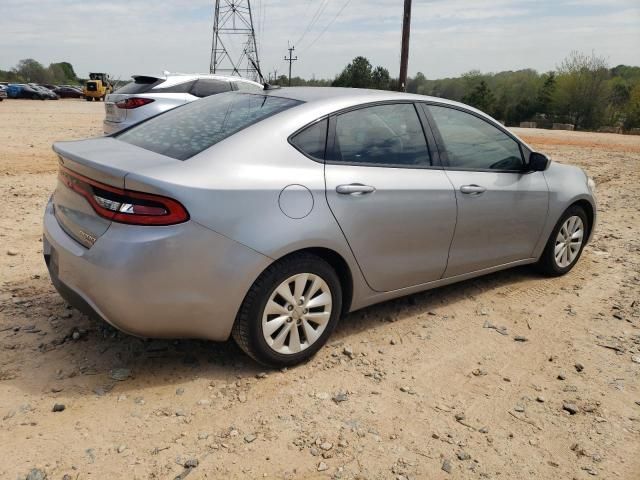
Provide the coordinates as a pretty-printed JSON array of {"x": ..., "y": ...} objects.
[{"x": 267, "y": 216}]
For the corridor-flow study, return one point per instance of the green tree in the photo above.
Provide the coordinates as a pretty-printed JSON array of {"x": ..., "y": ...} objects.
[
  {"x": 580, "y": 94},
  {"x": 545, "y": 94},
  {"x": 481, "y": 97},
  {"x": 380, "y": 78},
  {"x": 417, "y": 83},
  {"x": 62, "y": 72},
  {"x": 632, "y": 112},
  {"x": 355, "y": 75},
  {"x": 32, "y": 71}
]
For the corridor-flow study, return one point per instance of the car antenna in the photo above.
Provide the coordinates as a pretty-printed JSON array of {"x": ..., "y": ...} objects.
[{"x": 265, "y": 84}]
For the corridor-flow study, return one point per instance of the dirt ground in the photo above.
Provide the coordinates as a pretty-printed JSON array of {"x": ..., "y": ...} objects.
[{"x": 411, "y": 389}]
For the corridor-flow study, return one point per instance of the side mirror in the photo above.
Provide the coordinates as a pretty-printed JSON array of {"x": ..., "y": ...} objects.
[{"x": 538, "y": 162}]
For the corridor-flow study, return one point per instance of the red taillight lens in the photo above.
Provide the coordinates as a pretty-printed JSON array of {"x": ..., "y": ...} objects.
[
  {"x": 133, "y": 102},
  {"x": 125, "y": 206}
]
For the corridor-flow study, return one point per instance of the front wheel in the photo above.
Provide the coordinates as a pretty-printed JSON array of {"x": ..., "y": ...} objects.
[
  {"x": 566, "y": 243},
  {"x": 290, "y": 311}
]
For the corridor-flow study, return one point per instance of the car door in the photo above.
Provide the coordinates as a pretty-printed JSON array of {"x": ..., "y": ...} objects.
[
  {"x": 392, "y": 200},
  {"x": 502, "y": 206}
]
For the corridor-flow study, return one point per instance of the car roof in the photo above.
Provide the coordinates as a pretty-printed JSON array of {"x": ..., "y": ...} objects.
[
  {"x": 357, "y": 95},
  {"x": 331, "y": 99}
]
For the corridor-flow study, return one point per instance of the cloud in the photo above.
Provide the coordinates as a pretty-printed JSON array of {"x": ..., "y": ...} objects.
[{"x": 448, "y": 37}]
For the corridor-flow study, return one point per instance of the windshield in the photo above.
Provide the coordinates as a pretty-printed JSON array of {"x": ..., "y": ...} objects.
[{"x": 188, "y": 130}]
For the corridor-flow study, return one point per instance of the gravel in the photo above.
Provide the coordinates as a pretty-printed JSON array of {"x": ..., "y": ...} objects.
[{"x": 120, "y": 374}]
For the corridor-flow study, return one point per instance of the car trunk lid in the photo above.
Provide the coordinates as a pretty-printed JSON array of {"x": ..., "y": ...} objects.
[{"x": 105, "y": 161}]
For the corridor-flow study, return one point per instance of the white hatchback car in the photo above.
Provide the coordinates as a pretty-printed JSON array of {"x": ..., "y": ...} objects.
[{"x": 147, "y": 96}]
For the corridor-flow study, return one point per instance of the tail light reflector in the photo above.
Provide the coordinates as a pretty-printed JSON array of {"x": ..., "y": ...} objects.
[
  {"x": 133, "y": 102},
  {"x": 125, "y": 206}
]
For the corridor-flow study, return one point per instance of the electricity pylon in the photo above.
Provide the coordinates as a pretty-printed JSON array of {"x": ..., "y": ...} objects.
[{"x": 232, "y": 31}]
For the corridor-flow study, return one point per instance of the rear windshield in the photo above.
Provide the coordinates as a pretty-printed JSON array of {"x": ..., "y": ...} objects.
[
  {"x": 140, "y": 85},
  {"x": 188, "y": 130}
]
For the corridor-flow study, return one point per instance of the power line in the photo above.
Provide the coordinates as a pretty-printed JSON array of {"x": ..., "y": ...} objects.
[
  {"x": 328, "y": 25},
  {"x": 314, "y": 19}
]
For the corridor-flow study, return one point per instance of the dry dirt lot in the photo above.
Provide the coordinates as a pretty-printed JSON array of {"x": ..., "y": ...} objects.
[{"x": 411, "y": 389}]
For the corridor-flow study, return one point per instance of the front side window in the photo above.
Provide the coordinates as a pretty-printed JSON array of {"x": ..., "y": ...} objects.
[
  {"x": 312, "y": 140},
  {"x": 188, "y": 130},
  {"x": 382, "y": 135},
  {"x": 471, "y": 143}
]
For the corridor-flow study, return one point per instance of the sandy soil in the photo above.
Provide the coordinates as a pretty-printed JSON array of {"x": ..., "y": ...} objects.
[{"x": 404, "y": 390}]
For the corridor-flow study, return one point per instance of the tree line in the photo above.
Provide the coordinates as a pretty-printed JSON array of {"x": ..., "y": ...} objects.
[
  {"x": 582, "y": 91},
  {"x": 32, "y": 71}
]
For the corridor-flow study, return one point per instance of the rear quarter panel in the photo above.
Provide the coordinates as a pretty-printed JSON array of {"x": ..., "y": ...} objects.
[{"x": 234, "y": 189}]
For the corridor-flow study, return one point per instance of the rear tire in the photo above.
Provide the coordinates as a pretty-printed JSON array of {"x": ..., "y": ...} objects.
[
  {"x": 565, "y": 244},
  {"x": 278, "y": 333}
]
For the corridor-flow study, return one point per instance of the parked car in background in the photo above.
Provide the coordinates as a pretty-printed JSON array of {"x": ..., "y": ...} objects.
[
  {"x": 22, "y": 90},
  {"x": 267, "y": 216},
  {"x": 3, "y": 92},
  {"x": 49, "y": 95},
  {"x": 150, "y": 95},
  {"x": 68, "y": 92}
]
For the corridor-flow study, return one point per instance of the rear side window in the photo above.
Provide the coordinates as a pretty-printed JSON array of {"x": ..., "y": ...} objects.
[
  {"x": 471, "y": 143},
  {"x": 208, "y": 86},
  {"x": 188, "y": 130},
  {"x": 383, "y": 135},
  {"x": 140, "y": 85},
  {"x": 312, "y": 140},
  {"x": 248, "y": 87}
]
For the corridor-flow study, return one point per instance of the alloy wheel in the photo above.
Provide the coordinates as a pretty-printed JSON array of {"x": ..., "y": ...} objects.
[
  {"x": 297, "y": 313},
  {"x": 569, "y": 241}
]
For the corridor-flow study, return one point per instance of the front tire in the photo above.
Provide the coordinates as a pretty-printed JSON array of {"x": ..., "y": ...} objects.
[
  {"x": 565, "y": 245},
  {"x": 290, "y": 311}
]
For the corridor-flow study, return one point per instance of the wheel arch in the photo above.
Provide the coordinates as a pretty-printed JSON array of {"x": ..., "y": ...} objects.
[
  {"x": 589, "y": 210},
  {"x": 339, "y": 264}
]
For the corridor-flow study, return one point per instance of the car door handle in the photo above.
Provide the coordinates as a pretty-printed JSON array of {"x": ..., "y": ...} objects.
[
  {"x": 355, "y": 189},
  {"x": 472, "y": 189}
]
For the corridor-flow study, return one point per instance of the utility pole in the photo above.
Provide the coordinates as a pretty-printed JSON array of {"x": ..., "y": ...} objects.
[
  {"x": 291, "y": 59},
  {"x": 404, "y": 54}
]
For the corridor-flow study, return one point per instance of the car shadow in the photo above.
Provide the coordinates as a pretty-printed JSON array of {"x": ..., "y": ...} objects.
[{"x": 82, "y": 354}]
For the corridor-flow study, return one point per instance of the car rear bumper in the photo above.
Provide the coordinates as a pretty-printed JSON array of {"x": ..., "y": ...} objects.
[
  {"x": 113, "y": 127},
  {"x": 183, "y": 281}
]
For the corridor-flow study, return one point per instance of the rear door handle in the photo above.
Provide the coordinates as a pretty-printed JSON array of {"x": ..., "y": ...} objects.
[
  {"x": 355, "y": 189},
  {"x": 472, "y": 189}
]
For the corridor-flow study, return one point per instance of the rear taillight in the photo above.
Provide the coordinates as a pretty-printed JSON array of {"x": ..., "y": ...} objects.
[
  {"x": 125, "y": 206},
  {"x": 133, "y": 102}
]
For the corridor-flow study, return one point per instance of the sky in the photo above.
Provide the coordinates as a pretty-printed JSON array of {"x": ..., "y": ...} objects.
[{"x": 448, "y": 37}]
